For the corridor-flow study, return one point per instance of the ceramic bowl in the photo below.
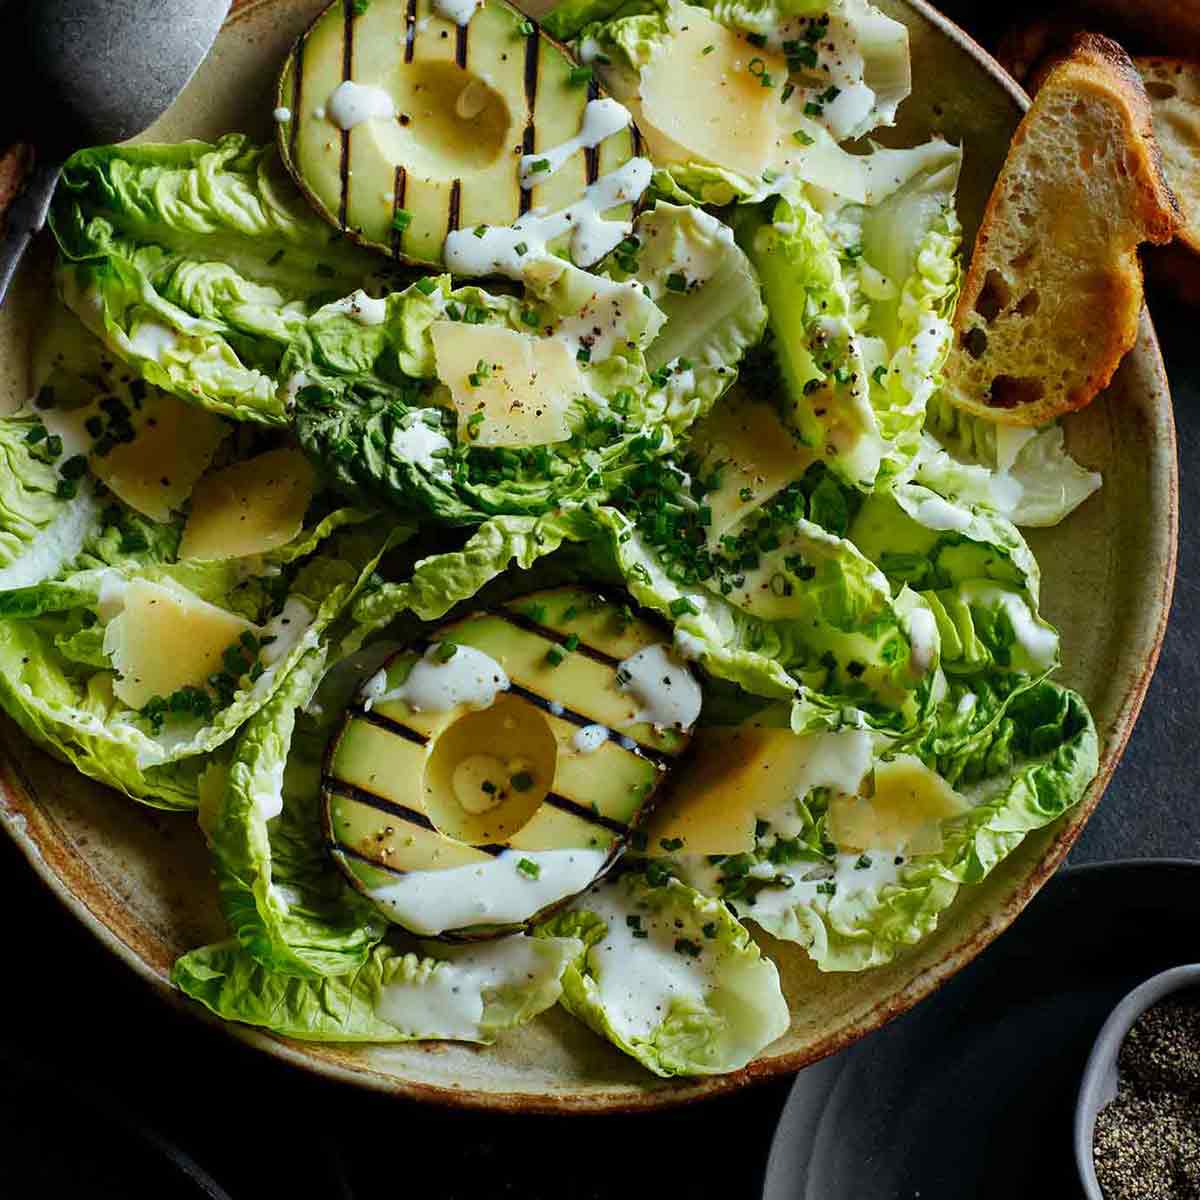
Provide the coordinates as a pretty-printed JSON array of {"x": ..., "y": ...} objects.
[{"x": 140, "y": 879}]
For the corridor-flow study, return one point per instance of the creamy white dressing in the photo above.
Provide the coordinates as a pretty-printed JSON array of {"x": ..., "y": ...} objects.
[
  {"x": 589, "y": 739},
  {"x": 296, "y": 380},
  {"x": 287, "y": 629},
  {"x": 923, "y": 637},
  {"x": 1038, "y": 641},
  {"x": 600, "y": 325},
  {"x": 601, "y": 119},
  {"x": 935, "y": 513},
  {"x": 351, "y": 104},
  {"x": 449, "y": 1000},
  {"x": 665, "y": 690},
  {"x": 469, "y": 677},
  {"x": 417, "y": 443},
  {"x": 360, "y": 307},
  {"x": 282, "y": 114},
  {"x": 458, "y": 11},
  {"x": 639, "y": 979},
  {"x": 592, "y": 236},
  {"x": 496, "y": 892}
]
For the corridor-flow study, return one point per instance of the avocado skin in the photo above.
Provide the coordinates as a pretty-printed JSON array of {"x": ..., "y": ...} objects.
[
  {"x": 399, "y": 185},
  {"x": 375, "y": 815}
]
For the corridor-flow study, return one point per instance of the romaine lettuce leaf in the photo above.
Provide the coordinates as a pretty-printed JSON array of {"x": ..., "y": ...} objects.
[
  {"x": 856, "y": 910},
  {"x": 469, "y": 994},
  {"x": 669, "y": 977},
  {"x": 1025, "y": 474},
  {"x": 44, "y": 519},
  {"x": 860, "y": 298},
  {"x": 441, "y": 581},
  {"x": 837, "y": 646},
  {"x": 73, "y": 712},
  {"x": 284, "y": 900},
  {"x": 708, "y": 290}
]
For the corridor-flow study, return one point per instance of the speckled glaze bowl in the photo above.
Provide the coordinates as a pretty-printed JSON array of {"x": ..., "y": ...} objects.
[{"x": 141, "y": 881}]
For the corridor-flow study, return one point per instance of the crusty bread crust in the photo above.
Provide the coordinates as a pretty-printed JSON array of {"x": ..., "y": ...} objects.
[
  {"x": 1173, "y": 85},
  {"x": 1051, "y": 300}
]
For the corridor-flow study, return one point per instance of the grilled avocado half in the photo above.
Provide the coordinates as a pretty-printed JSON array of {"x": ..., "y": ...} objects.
[
  {"x": 402, "y": 125},
  {"x": 478, "y": 819}
]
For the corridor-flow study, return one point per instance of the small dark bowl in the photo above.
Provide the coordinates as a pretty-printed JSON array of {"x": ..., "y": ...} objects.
[{"x": 1099, "y": 1083}]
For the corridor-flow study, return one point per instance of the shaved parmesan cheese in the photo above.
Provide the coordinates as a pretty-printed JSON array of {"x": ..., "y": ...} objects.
[
  {"x": 249, "y": 508},
  {"x": 167, "y": 638},
  {"x": 508, "y": 388},
  {"x": 754, "y": 455},
  {"x": 172, "y": 446},
  {"x": 736, "y": 125},
  {"x": 906, "y": 811}
]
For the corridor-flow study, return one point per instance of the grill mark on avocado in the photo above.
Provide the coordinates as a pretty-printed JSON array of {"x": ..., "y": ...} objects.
[
  {"x": 591, "y": 155},
  {"x": 410, "y": 816},
  {"x": 410, "y": 30},
  {"x": 351, "y": 791},
  {"x": 371, "y": 717},
  {"x": 297, "y": 95},
  {"x": 347, "y": 73},
  {"x": 658, "y": 758},
  {"x": 460, "y": 45},
  {"x": 551, "y": 635},
  {"x": 455, "y": 205},
  {"x": 398, "y": 193},
  {"x": 359, "y": 856},
  {"x": 533, "y": 46},
  {"x": 567, "y": 805}
]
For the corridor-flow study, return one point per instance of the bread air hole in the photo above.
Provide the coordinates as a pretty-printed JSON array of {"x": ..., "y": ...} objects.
[
  {"x": 1028, "y": 304},
  {"x": 975, "y": 342},
  {"x": 1161, "y": 91},
  {"x": 1008, "y": 391},
  {"x": 994, "y": 297}
]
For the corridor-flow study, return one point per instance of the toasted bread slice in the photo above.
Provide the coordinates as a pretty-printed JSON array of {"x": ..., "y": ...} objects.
[
  {"x": 1173, "y": 86},
  {"x": 1051, "y": 300}
]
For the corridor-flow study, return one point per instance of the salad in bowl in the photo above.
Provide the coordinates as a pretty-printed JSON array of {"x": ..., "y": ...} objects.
[{"x": 518, "y": 514}]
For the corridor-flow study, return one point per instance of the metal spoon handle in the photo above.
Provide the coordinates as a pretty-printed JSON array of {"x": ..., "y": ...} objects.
[{"x": 26, "y": 216}]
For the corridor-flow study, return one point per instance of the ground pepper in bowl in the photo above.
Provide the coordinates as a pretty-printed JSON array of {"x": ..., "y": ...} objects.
[{"x": 1147, "y": 1140}]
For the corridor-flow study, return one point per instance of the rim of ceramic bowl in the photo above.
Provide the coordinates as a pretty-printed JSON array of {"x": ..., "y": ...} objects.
[{"x": 761, "y": 1070}]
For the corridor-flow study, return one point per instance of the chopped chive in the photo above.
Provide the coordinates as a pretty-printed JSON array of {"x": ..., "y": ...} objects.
[
  {"x": 426, "y": 286},
  {"x": 864, "y": 861},
  {"x": 571, "y": 643},
  {"x": 583, "y": 355},
  {"x": 798, "y": 135},
  {"x": 522, "y": 247},
  {"x": 554, "y": 656},
  {"x": 681, "y": 606},
  {"x": 709, "y": 929},
  {"x": 677, "y": 282},
  {"x": 879, "y": 374},
  {"x": 401, "y": 220},
  {"x": 530, "y": 317},
  {"x": 480, "y": 231},
  {"x": 687, "y": 946},
  {"x": 525, "y": 29},
  {"x": 670, "y": 845},
  {"x": 529, "y": 868},
  {"x": 446, "y": 651},
  {"x": 708, "y": 49},
  {"x": 542, "y": 164},
  {"x": 756, "y": 66},
  {"x": 813, "y": 110},
  {"x": 488, "y": 787},
  {"x": 579, "y": 75},
  {"x": 788, "y": 91}
]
